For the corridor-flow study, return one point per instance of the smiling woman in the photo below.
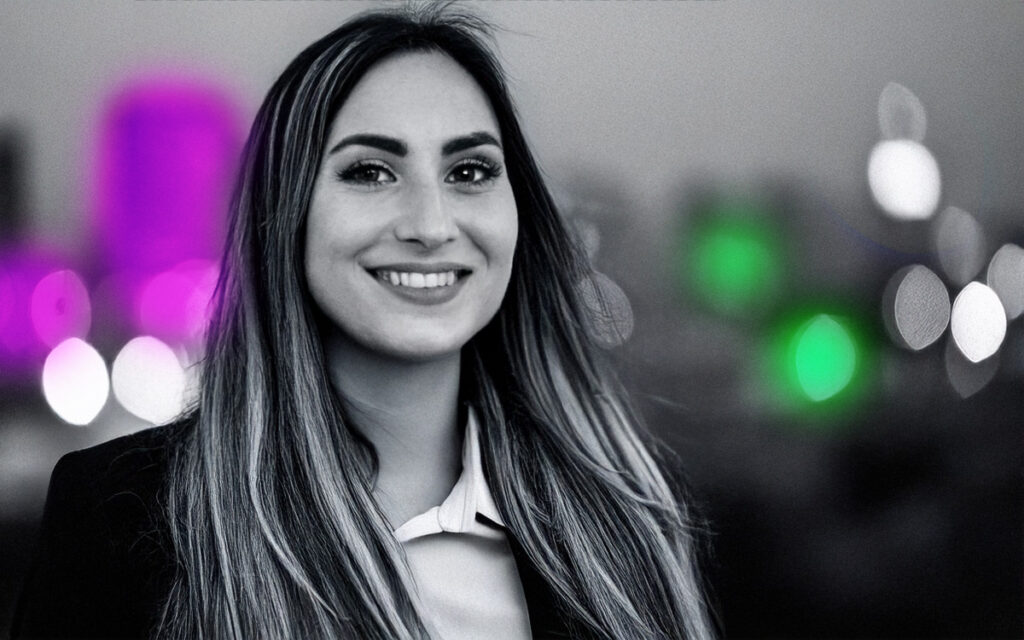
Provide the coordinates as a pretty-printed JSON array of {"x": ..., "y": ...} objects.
[
  {"x": 413, "y": 222},
  {"x": 404, "y": 429}
]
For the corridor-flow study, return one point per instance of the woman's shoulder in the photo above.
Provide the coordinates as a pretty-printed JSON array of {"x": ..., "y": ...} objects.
[
  {"x": 103, "y": 557},
  {"x": 137, "y": 459},
  {"x": 113, "y": 488},
  {"x": 120, "y": 479}
]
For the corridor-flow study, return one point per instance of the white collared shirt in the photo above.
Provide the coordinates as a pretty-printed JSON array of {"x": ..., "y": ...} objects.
[{"x": 463, "y": 566}]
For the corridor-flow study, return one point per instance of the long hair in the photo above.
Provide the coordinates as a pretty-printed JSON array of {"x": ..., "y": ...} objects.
[{"x": 272, "y": 518}]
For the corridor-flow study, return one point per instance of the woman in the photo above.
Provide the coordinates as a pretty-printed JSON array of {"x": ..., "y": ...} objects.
[{"x": 403, "y": 429}]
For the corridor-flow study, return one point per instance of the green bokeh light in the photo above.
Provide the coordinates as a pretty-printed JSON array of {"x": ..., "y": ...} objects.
[
  {"x": 734, "y": 262},
  {"x": 820, "y": 362},
  {"x": 824, "y": 357}
]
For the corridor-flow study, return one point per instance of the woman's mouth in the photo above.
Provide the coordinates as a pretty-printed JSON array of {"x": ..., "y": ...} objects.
[
  {"x": 422, "y": 284},
  {"x": 418, "y": 279}
]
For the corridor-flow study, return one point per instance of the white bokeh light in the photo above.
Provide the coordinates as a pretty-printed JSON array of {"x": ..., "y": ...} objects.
[
  {"x": 148, "y": 380},
  {"x": 968, "y": 378},
  {"x": 901, "y": 114},
  {"x": 978, "y": 322},
  {"x": 588, "y": 235},
  {"x": 75, "y": 381},
  {"x": 960, "y": 245},
  {"x": 1006, "y": 277},
  {"x": 915, "y": 307},
  {"x": 610, "y": 315},
  {"x": 904, "y": 179}
]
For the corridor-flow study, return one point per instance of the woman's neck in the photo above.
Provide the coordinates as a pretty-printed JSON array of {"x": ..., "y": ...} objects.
[{"x": 409, "y": 412}]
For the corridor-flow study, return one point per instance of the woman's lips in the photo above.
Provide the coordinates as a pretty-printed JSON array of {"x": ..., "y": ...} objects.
[{"x": 423, "y": 284}]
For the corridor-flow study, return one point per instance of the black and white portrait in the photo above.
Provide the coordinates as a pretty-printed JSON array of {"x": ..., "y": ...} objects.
[{"x": 465, "y": 320}]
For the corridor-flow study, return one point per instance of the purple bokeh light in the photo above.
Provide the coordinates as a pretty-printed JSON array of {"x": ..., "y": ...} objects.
[
  {"x": 21, "y": 269},
  {"x": 173, "y": 305},
  {"x": 60, "y": 307},
  {"x": 167, "y": 155}
]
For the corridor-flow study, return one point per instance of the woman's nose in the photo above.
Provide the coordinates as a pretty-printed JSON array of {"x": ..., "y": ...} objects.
[{"x": 428, "y": 220}]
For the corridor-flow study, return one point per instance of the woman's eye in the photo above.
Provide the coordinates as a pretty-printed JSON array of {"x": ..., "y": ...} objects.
[
  {"x": 474, "y": 172},
  {"x": 367, "y": 174}
]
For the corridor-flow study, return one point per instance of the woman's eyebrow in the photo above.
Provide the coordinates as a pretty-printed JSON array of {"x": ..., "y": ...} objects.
[
  {"x": 399, "y": 148},
  {"x": 384, "y": 143},
  {"x": 468, "y": 141}
]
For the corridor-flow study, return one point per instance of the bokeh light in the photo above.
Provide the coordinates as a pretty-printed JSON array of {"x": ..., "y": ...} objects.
[
  {"x": 978, "y": 322},
  {"x": 174, "y": 304},
  {"x": 735, "y": 260},
  {"x": 588, "y": 235},
  {"x": 75, "y": 381},
  {"x": 818, "y": 362},
  {"x": 915, "y": 307},
  {"x": 960, "y": 245},
  {"x": 824, "y": 357},
  {"x": 167, "y": 153},
  {"x": 21, "y": 269},
  {"x": 609, "y": 313},
  {"x": 904, "y": 179},
  {"x": 60, "y": 307},
  {"x": 901, "y": 114},
  {"x": 1006, "y": 277},
  {"x": 8, "y": 295},
  {"x": 966, "y": 377},
  {"x": 149, "y": 380}
]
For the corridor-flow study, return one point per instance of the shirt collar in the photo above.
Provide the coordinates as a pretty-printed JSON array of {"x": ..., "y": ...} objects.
[{"x": 470, "y": 496}]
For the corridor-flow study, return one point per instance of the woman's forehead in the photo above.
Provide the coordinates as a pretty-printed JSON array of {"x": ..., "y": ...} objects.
[{"x": 422, "y": 97}]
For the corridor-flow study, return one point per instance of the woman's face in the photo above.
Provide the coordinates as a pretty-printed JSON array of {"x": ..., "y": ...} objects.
[{"x": 413, "y": 223}]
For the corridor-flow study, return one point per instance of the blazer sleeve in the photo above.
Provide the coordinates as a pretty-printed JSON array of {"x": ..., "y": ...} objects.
[{"x": 75, "y": 587}]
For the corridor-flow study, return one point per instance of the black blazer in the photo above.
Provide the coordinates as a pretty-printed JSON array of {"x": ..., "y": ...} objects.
[{"x": 104, "y": 563}]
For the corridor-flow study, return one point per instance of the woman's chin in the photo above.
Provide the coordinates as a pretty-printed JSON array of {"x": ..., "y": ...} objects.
[{"x": 422, "y": 348}]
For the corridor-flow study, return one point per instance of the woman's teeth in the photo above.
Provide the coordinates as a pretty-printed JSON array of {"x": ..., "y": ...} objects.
[{"x": 415, "y": 280}]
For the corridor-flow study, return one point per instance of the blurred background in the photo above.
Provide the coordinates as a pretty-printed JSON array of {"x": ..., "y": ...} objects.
[{"x": 806, "y": 218}]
